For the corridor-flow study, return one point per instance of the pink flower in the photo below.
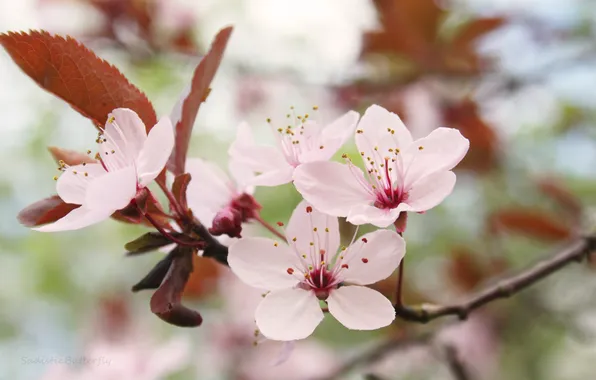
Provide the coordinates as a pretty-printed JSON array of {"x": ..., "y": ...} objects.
[
  {"x": 298, "y": 143},
  {"x": 401, "y": 174},
  {"x": 217, "y": 201},
  {"x": 310, "y": 269},
  {"x": 129, "y": 160}
]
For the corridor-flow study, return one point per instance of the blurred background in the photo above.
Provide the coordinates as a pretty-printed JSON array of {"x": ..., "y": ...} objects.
[{"x": 516, "y": 77}]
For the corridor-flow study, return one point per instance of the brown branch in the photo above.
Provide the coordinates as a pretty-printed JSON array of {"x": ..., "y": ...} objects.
[
  {"x": 455, "y": 364},
  {"x": 379, "y": 352},
  {"x": 575, "y": 252}
]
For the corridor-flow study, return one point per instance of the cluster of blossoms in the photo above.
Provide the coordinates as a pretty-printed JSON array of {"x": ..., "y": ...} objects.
[{"x": 306, "y": 272}]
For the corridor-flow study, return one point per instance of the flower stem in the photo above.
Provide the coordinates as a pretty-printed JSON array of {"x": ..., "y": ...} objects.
[
  {"x": 175, "y": 205},
  {"x": 269, "y": 227},
  {"x": 161, "y": 230},
  {"x": 400, "y": 273}
]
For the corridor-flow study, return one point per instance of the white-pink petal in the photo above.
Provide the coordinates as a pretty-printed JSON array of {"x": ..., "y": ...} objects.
[
  {"x": 155, "y": 152},
  {"x": 242, "y": 175},
  {"x": 288, "y": 314},
  {"x": 429, "y": 191},
  {"x": 373, "y": 257},
  {"x": 132, "y": 128},
  {"x": 360, "y": 308},
  {"x": 76, "y": 219},
  {"x": 364, "y": 214},
  {"x": 441, "y": 150},
  {"x": 265, "y": 264},
  {"x": 209, "y": 187},
  {"x": 312, "y": 227},
  {"x": 72, "y": 187},
  {"x": 274, "y": 177},
  {"x": 332, "y": 188},
  {"x": 375, "y": 131},
  {"x": 112, "y": 191}
]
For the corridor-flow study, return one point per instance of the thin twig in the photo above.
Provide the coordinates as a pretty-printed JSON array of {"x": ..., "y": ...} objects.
[
  {"x": 456, "y": 366},
  {"x": 575, "y": 252},
  {"x": 379, "y": 352}
]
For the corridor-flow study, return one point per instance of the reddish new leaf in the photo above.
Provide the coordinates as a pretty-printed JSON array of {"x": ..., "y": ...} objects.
[
  {"x": 69, "y": 70},
  {"x": 70, "y": 157},
  {"x": 465, "y": 269},
  {"x": 179, "y": 189},
  {"x": 189, "y": 104},
  {"x": 165, "y": 302},
  {"x": 567, "y": 201},
  {"x": 531, "y": 222},
  {"x": 203, "y": 279},
  {"x": 473, "y": 30},
  {"x": 45, "y": 211}
]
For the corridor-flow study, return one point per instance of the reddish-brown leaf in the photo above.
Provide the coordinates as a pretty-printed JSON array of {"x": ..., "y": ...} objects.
[
  {"x": 70, "y": 157},
  {"x": 45, "y": 211},
  {"x": 557, "y": 191},
  {"x": 189, "y": 104},
  {"x": 530, "y": 222},
  {"x": 465, "y": 269},
  {"x": 69, "y": 70},
  {"x": 165, "y": 302},
  {"x": 483, "y": 154},
  {"x": 475, "y": 29},
  {"x": 203, "y": 279}
]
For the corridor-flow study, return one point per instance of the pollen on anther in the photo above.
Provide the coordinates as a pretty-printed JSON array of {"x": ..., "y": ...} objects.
[
  {"x": 364, "y": 260},
  {"x": 55, "y": 178},
  {"x": 88, "y": 151},
  {"x": 309, "y": 209},
  {"x": 294, "y": 239},
  {"x": 113, "y": 151},
  {"x": 74, "y": 172},
  {"x": 303, "y": 256},
  {"x": 362, "y": 154},
  {"x": 365, "y": 240},
  {"x": 359, "y": 131},
  {"x": 343, "y": 248},
  {"x": 321, "y": 147},
  {"x": 86, "y": 174},
  {"x": 315, "y": 108},
  {"x": 420, "y": 147},
  {"x": 326, "y": 229},
  {"x": 111, "y": 119},
  {"x": 344, "y": 156},
  {"x": 275, "y": 244},
  {"x": 290, "y": 270},
  {"x": 315, "y": 229},
  {"x": 376, "y": 148},
  {"x": 312, "y": 243},
  {"x": 268, "y": 120},
  {"x": 307, "y": 275}
]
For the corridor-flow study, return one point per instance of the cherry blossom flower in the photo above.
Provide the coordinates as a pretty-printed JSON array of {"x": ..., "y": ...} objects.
[
  {"x": 216, "y": 200},
  {"x": 401, "y": 174},
  {"x": 299, "y": 142},
  {"x": 129, "y": 158},
  {"x": 311, "y": 268}
]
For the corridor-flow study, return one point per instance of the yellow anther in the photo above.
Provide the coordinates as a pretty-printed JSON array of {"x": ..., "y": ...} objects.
[
  {"x": 294, "y": 239},
  {"x": 288, "y": 116},
  {"x": 280, "y": 130},
  {"x": 420, "y": 147},
  {"x": 307, "y": 275},
  {"x": 268, "y": 120},
  {"x": 315, "y": 108},
  {"x": 86, "y": 174},
  {"x": 74, "y": 172},
  {"x": 275, "y": 244},
  {"x": 376, "y": 148},
  {"x": 306, "y": 116},
  {"x": 113, "y": 151},
  {"x": 396, "y": 151},
  {"x": 343, "y": 248},
  {"x": 359, "y": 131},
  {"x": 55, "y": 178},
  {"x": 315, "y": 229},
  {"x": 321, "y": 147},
  {"x": 322, "y": 263},
  {"x": 326, "y": 229},
  {"x": 344, "y": 155},
  {"x": 88, "y": 151},
  {"x": 111, "y": 119},
  {"x": 341, "y": 257},
  {"x": 304, "y": 256}
]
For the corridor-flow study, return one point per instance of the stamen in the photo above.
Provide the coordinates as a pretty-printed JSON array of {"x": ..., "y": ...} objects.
[
  {"x": 290, "y": 271},
  {"x": 364, "y": 260}
]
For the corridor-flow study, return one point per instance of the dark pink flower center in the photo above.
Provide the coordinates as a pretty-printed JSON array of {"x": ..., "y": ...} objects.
[{"x": 389, "y": 198}]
